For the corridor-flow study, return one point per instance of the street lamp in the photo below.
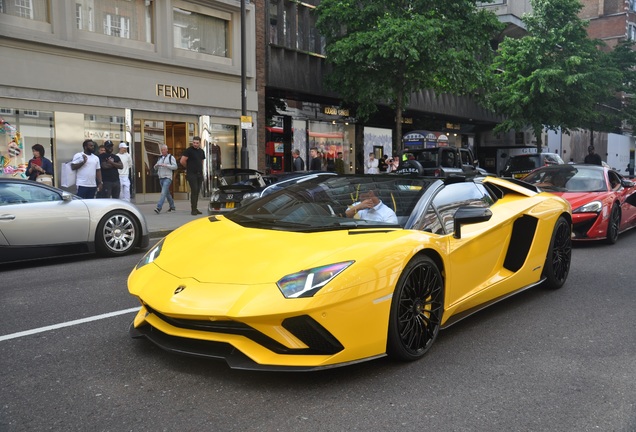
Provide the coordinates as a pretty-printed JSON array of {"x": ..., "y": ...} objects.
[{"x": 244, "y": 152}]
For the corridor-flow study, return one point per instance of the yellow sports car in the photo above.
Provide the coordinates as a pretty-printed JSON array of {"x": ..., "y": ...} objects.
[{"x": 345, "y": 269}]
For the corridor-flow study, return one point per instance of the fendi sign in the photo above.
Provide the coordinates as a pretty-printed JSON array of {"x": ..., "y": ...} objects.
[{"x": 172, "y": 92}]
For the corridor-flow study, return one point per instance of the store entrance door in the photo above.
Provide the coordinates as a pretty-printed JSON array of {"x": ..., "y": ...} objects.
[{"x": 150, "y": 135}]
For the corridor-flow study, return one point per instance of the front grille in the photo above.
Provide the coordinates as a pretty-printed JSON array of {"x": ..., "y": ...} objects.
[
  {"x": 312, "y": 334},
  {"x": 580, "y": 230}
]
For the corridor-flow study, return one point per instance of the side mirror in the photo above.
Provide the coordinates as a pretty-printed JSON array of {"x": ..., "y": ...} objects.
[
  {"x": 469, "y": 215},
  {"x": 67, "y": 196}
]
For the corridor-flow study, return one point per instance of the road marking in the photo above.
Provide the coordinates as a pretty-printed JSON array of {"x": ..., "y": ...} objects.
[{"x": 67, "y": 324}]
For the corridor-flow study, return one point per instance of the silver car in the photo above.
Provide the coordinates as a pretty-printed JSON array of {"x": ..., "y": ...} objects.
[{"x": 38, "y": 221}]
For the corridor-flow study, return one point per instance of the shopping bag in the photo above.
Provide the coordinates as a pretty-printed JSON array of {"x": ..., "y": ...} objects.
[
  {"x": 68, "y": 176},
  {"x": 46, "y": 179}
]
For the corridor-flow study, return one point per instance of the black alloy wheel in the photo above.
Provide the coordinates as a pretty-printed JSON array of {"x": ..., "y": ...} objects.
[
  {"x": 416, "y": 310},
  {"x": 117, "y": 234},
  {"x": 613, "y": 225},
  {"x": 559, "y": 258}
]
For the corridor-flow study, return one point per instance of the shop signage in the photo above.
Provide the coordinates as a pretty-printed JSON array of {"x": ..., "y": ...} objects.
[
  {"x": 102, "y": 135},
  {"x": 172, "y": 92},
  {"x": 332, "y": 110}
]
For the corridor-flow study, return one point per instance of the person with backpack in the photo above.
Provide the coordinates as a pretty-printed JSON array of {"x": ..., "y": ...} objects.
[{"x": 165, "y": 166}]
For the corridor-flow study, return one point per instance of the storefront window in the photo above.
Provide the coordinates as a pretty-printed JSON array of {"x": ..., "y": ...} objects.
[
  {"x": 36, "y": 10},
  {"x": 126, "y": 19},
  {"x": 329, "y": 139},
  {"x": 19, "y": 131},
  {"x": 201, "y": 33},
  {"x": 101, "y": 128}
]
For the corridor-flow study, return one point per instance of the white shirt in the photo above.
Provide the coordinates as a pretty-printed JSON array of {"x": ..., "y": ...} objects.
[
  {"x": 379, "y": 213},
  {"x": 126, "y": 159},
  {"x": 86, "y": 173},
  {"x": 372, "y": 166}
]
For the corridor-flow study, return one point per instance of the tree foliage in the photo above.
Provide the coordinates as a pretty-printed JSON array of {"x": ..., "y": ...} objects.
[
  {"x": 556, "y": 76},
  {"x": 383, "y": 51}
]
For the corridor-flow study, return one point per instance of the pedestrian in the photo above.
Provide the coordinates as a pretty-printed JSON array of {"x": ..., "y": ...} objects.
[
  {"x": 39, "y": 165},
  {"x": 89, "y": 175},
  {"x": 592, "y": 158},
  {"x": 340, "y": 163},
  {"x": 110, "y": 166},
  {"x": 192, "y": 160},
  {"x": 124, "y": 172},
  {"x": 371, "y": 167},
  {"x": 165, "y": 167},
  {"x": 298, "y": 162},
  {"x": 315, "y": 162},
  {"x": 382, "y": 164}
]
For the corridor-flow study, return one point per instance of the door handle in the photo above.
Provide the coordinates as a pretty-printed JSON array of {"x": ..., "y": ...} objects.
[{"x": 7, "y": 217}]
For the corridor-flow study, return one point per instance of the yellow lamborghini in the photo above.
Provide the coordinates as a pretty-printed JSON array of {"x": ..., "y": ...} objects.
[{"x": 345, "y": 269}]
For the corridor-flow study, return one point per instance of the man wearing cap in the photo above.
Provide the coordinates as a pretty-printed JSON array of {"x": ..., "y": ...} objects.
[
  {"x": 592, "y": 158},
  {"x": 110, "y": 165},
  {"x": 124, "y": 172}
]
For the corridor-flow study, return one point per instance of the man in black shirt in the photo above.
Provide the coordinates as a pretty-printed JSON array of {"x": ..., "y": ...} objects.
[
  {"x": 110, "y": 165},
  {"x": 592, "y": 158},
  {"x": 192, "y": 159}
]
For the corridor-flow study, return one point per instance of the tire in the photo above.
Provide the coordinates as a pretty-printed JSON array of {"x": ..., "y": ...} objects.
[
  {"x": 559, "y": 258},
  {"x": 117, "y": 234},
  {"x": 613, "y": 225},
  {"x": 416, "y": 310}
]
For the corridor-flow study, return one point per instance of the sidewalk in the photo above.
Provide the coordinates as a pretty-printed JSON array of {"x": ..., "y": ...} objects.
[{"x": 159, "y": 225}]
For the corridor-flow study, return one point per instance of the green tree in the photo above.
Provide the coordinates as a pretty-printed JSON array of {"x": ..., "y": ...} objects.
[
  {"x": 383, "y": 51},
  {"x": 556, "y": 76}
]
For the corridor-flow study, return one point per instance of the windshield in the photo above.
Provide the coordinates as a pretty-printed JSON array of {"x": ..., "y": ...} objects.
[
  {"x": 336, "y": 202},
  {"x": 568, "y": 178}
]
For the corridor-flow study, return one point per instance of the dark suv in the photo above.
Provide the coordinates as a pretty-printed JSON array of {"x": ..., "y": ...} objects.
[{"x": 519, "y": 166}]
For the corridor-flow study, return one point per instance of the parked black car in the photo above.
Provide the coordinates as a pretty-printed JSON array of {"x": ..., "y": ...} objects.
[
  {"x": 520, "y": 165},
  {"x": 234, "y": 187}
]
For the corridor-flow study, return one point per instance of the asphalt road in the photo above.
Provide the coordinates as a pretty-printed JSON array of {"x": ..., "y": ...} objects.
[{"x": 560, "y": 360}]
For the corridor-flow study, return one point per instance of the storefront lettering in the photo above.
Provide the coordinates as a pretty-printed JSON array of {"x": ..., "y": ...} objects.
[
  {"x": 331, "y": 110},
  {"x": 102, "y": 135},
  {"x": 173, "y": 92}
]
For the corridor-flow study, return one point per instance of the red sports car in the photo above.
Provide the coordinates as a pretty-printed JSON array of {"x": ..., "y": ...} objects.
[{"x": 603, "y": 202}]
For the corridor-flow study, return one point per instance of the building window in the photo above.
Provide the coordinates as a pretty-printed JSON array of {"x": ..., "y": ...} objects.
[
  {"x": 631, "y": 32},
  {"x": 116, "y": 25},
  {"x": 127, "y": 19},
  {"x": 632, "y": 5},
  {"x": 30, "y": 113},
  {"x": 293, "y": 25},
  {"x": 37, "y": 10},
  {"x": 201, "y": 33}
]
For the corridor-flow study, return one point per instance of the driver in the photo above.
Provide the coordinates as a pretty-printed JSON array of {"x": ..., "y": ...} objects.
[{"x": 371, "y": 208}]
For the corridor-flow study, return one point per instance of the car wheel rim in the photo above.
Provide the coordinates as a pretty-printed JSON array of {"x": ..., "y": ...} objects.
[
  {"x": 562, "y": 252},
  {"x": 420, "y": 305},
  {"x": 119, "y": 233}
]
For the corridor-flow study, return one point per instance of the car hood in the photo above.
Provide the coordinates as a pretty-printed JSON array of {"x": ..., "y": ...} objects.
[
  {"x": 217, "y": 250},
  {"x": 577, "y": 199}
]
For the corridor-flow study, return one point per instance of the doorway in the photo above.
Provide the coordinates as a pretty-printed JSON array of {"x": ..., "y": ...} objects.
[{"x": 149, "y": 136}]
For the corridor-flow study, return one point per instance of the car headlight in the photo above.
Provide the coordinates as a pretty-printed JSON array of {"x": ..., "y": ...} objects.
[
  {"x": 152, "y": 255},
  {"x": 591, "y": 207},
  {"x": 214, "y": 196},
  {"x": 306, "y": 283},
  {"x": 251, "y": 196}
]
